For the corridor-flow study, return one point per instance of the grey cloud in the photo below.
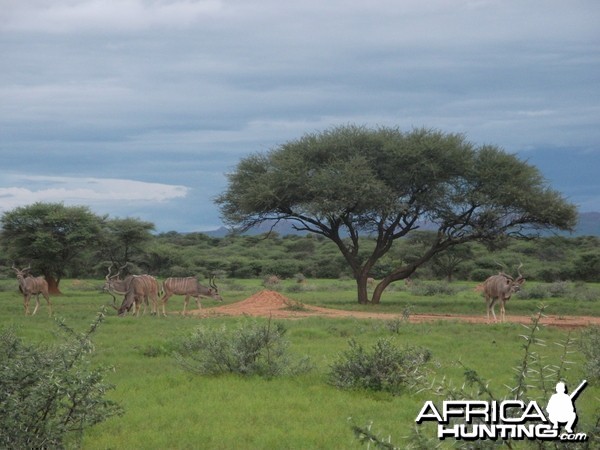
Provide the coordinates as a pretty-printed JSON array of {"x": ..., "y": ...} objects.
[{"x": 176, "y": 91}]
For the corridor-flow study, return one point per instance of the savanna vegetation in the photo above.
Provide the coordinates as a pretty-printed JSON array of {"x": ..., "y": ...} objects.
[
  {"x": 180, "y": 382},
  {"x": 118, "y": 241},
  {"x": 170, "y": 396},
  {"x": 239, "y": 382}
]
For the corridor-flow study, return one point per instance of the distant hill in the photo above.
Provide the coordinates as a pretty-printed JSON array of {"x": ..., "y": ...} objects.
[{"x": 587, "y": 225}]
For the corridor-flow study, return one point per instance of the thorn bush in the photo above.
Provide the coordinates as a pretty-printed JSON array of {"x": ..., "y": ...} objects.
[
  {"x": 250, "y": 349},
  {"x": 385, "y": 368},
  {"x": 50, "y": 395}
]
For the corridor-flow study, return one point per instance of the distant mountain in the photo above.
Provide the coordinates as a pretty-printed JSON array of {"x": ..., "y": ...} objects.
[
  {"x": 283, "y": 228},
  {"x": 587, "y": 225}
]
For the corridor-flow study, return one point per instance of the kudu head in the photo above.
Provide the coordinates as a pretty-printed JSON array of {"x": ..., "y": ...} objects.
[
  {"x": 109, "y": 283},
  {"x": 512, "y": 284},
  {"x": 126, "y": 306},
  {"x": 214, "y": 290},
  {"x": 21, "y": 273}
]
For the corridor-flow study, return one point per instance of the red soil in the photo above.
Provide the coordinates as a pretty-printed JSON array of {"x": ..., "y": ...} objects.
[{"x": 268, "y": 303}]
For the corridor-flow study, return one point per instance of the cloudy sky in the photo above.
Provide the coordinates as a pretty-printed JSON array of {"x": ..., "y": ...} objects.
[{"x": 138, "y": 108}]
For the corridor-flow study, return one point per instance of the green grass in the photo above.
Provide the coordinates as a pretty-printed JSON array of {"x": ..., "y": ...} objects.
[{"x": 169, "y": 408}]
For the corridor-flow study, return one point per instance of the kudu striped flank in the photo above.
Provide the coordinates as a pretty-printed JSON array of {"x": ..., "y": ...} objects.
[
  {"x": 136, "y": 289},
  {"x": 190, "y": 287},
  {"x": 29, "y": 285},
  {"x": 499, "y": 288}
]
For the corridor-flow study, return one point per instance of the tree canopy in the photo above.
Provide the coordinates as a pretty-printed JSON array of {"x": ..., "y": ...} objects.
[
  {"x": 49, "y": 235},
  {"x": 352, "y": 182}
]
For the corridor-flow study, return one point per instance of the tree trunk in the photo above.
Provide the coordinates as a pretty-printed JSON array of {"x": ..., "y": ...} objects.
[
  {"x": 53, "y": 285},
  {"x": 361, "y": 286},
  {"x": 379, "y": 291}
]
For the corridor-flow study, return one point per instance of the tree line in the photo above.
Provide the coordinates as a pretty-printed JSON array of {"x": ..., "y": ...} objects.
[
  {"x": 366, "y": 191},
  {"x": 72, "y": 242}
]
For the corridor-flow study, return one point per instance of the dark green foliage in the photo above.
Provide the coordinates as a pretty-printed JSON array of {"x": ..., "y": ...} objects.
[
  {"x": 548, "y": 259},
  {"x": 250, "y": 349},
  {"x": 350, "y": 184},
  {"x": 50, "y": 395},
  {"x": 50, "y": 235},
  {"x": 125, "y": 240},
  {"x": 385, "y": 368}
]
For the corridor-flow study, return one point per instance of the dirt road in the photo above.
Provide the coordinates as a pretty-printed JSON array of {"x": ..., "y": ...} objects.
[{"x": 273, "y": 304}]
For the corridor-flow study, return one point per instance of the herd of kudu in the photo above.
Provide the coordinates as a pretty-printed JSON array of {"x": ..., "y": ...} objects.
[
  {"x": 137, "y": 290},
  {"x": 140, "y": 290}
]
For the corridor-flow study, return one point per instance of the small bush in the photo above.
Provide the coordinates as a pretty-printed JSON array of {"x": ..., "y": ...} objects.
[
  {"x": 251, "y": 349},
  {"x": 49, "y": 396},
  {"x": 582, "y": 292},
  {"x": 271, "y": 281},
  {"x": 385, "y": 368},
  {"x": 431, "y": 289},
  {"x": 537, "y": 292}
]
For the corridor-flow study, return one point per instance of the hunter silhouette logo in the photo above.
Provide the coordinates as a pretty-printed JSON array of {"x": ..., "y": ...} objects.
[
  {"x": 561, "y": 408},
  {"x": 508, "y": 419}
]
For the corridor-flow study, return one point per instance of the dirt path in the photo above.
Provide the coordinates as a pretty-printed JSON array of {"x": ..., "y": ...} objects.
[{"x": 273, "y": 304}]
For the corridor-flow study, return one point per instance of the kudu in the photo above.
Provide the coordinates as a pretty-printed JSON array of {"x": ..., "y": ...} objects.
[
  {"x": 136, "y": 289},
  {"x": 29, "y": 285},
  {"x": 190, "y": 287},
  {"x": 499, "y": 288}
]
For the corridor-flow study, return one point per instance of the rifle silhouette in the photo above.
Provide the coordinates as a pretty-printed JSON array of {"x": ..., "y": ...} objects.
[{"x": 578, "y": 389}]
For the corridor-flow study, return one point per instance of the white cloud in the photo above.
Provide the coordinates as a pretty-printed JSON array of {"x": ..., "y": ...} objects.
[{"x": 101, "y": 193}]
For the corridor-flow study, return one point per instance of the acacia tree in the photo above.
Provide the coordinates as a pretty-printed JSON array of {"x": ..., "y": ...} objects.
[
  {"x": 124, "y": 240},
  {"x": 49, "y": 236},
  {"x": 352, "y": 183}
]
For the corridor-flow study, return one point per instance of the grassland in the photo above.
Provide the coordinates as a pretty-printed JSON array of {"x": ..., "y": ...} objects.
[{"x": 169, "y": 408}]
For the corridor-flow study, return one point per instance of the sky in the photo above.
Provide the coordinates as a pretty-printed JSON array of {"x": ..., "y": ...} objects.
[{"x": 140, "y": 108}]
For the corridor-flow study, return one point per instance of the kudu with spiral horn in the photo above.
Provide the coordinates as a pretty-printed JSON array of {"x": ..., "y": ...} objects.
[
  {"x": 30, "y": 285},
  {"x": 500, "y": 288}
]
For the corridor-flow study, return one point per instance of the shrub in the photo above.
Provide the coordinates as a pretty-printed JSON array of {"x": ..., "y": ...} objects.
[
  {"x": 48, "y": 396},
  {"x": 582, "y": 292},
  {"x": 271, "y": 281},
  {"x": 480, "y": 274},
  {"x": 536, "y": 292},
  {"x": 386, "y": 368},
  {"x": 430, "y": 289},
  {"x": 250, "y": 349}
]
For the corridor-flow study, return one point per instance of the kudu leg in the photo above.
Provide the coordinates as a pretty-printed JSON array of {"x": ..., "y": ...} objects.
[
  {"x": 154, "y": 310},
  {"x": 37, "y": 304},
  {"x": 163, "y": 301},
  {"x": 491, "y": 305},
  {"x": 137, "y": 306},
  {"x": 49, "y": 304},
  {"x": 185, "y": 303}
]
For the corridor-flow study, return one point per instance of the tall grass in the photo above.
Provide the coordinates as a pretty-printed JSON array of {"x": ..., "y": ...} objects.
[{"x": 167, "y": 407}]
